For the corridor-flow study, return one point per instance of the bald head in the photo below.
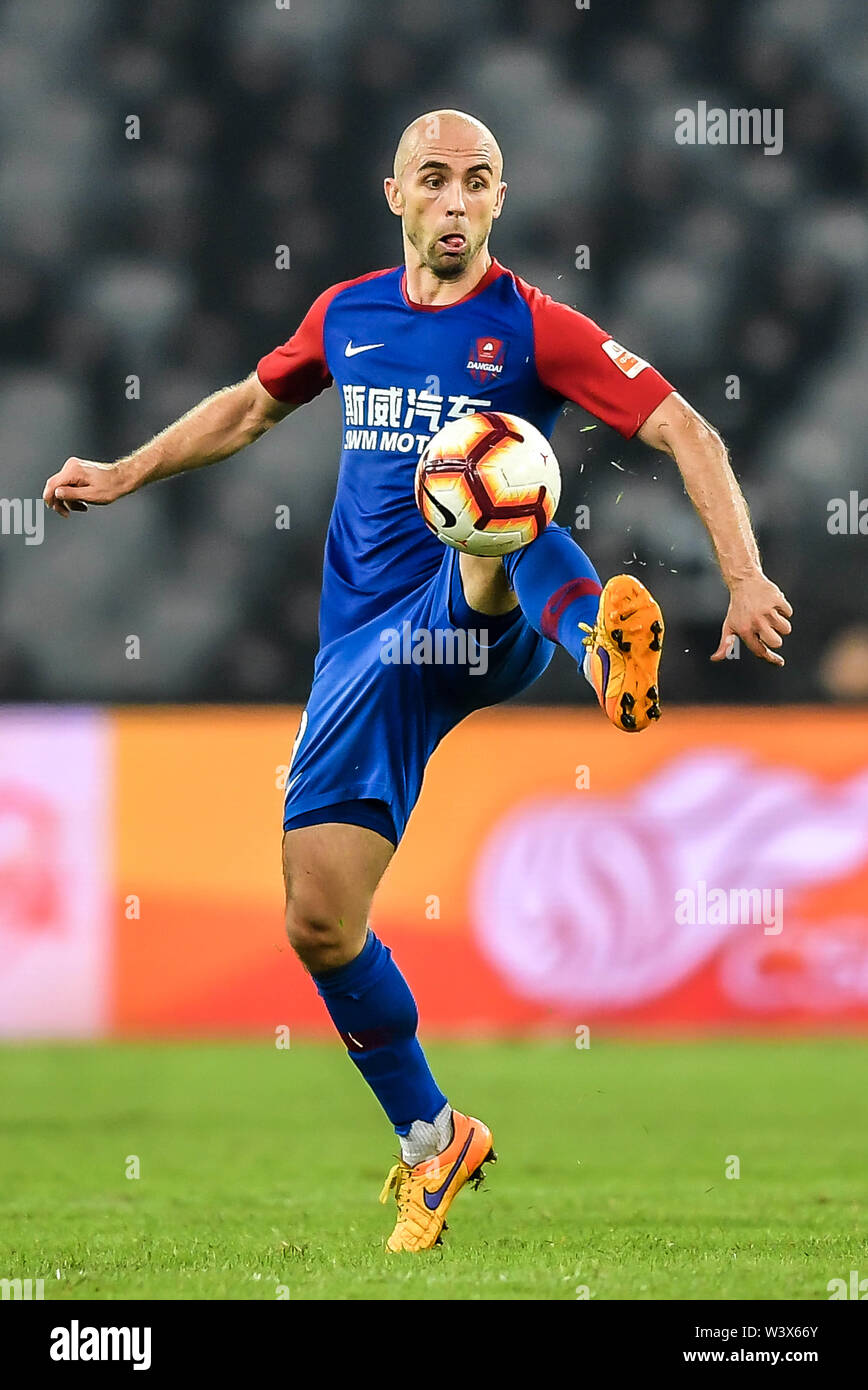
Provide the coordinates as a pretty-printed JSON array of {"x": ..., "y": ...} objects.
[
  {"x": 445, "y": 131},
  {"x": 447, "y": 189}
]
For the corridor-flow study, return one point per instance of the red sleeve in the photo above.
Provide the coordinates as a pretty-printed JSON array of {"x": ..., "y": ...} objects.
[
  {"x": 298, "y": 371},
  {"x": 579, "y": 360}
]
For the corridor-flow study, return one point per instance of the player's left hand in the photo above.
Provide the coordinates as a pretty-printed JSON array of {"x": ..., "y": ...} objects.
[{"x": 758, "y": 614}]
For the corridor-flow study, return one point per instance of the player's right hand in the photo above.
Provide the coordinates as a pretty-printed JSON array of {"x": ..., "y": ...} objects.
[{"x": 81, "y": 481}]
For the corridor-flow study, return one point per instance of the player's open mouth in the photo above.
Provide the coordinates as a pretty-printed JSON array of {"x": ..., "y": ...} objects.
[{"x": 454, "y": 243}]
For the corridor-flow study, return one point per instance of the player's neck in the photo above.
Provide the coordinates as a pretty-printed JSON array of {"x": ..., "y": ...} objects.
[{"x": 423, "y": 287}]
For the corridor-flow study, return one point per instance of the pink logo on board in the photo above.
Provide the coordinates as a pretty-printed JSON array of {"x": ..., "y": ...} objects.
[
  {"x": 55, "y": 872},
  {"x": 29, "y": 842},
  {"x": 575, "y": 900}
]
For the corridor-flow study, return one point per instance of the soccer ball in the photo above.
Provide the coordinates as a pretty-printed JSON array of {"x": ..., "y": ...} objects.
[{"x": 488, "y": 483}]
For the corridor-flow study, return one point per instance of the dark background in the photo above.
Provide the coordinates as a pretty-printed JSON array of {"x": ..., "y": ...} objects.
[{"x": 155, "y": 258}]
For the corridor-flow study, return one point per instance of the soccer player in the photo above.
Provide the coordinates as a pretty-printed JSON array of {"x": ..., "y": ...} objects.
[{"x": 448, "y": 332}]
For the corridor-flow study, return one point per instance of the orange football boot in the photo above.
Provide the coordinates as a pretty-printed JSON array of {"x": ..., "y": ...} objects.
[
  {"x": 425, "y": 1193},
  {"x": 624, "y": 645}
]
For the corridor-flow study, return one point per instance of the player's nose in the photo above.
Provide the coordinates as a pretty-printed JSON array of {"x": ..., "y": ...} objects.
[{"x": 455, "y": 200}]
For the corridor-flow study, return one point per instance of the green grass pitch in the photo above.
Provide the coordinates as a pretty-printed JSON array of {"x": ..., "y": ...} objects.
[{"x": 260, "y": 1170}]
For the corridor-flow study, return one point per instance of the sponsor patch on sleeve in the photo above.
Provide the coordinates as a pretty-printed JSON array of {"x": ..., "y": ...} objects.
[{"x": 626, "y": 362}]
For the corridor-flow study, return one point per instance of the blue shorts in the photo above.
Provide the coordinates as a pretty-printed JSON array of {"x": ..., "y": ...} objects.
[{"x": 384, "y": 696}]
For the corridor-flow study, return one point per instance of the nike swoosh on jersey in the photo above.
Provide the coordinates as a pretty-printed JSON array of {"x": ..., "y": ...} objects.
[
  {"x": 433, "y": 1199},
  {"x": 350, "y": 351}
]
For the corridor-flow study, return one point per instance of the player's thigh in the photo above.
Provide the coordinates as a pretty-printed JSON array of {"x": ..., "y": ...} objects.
[{"x": 331, "y": 872}]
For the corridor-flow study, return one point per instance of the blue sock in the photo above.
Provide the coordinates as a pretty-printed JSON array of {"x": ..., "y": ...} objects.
[
  {"x": 373, "y": 1010},
  {"x": 557, "y": 588}
]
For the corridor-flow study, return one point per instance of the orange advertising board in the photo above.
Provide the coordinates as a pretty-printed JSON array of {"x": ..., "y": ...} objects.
[{"x": 712, "y": 873}]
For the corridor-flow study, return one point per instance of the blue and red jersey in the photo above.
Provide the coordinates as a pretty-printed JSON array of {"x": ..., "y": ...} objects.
[{"x": 403, "y": 370}]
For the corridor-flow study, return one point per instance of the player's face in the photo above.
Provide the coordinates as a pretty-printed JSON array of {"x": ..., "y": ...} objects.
[{"x": 450, "y": 193}]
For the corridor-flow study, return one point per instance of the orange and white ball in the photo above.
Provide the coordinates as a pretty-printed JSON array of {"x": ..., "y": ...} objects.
[{"x": 488, "y": 483}]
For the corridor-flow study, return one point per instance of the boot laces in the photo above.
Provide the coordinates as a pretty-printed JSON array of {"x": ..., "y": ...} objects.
[{"x": 397, "y": 1179}]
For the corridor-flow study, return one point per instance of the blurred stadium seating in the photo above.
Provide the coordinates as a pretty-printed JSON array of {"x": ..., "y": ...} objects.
[{"x": 155, "y": 258}]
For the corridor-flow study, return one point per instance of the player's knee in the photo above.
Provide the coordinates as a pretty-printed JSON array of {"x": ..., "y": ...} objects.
[
  {"x": 317, "y": 943},
  {"x": 329, "y": 886},
  {"x": 321, "y": 939}
]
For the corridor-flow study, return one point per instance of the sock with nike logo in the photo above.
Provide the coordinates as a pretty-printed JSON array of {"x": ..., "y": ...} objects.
[
  {"x": 557, "y": 588},
  {"x": 371, "y": 1006}
]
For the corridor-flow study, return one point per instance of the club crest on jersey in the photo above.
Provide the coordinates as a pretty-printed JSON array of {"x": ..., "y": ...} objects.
[{"x": 486, "y": 358}]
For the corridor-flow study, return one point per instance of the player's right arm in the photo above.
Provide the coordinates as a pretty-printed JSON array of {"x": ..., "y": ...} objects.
[
  {"x": 214, "y": 429},
  {"x": 218, "y": 427}
]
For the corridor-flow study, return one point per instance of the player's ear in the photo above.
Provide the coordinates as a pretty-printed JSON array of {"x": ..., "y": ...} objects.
[
  {"x": 394, "y": 196},
  {"x": 498, "y": 202}
]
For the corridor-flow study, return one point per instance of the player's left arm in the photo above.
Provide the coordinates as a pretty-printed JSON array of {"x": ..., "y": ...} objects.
[
  {"x": 758, "y": 611},
  {"x": 580, "y": 361}
]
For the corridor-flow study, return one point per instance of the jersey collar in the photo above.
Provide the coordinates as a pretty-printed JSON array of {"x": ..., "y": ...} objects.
[{"x": 492, "y": 273}]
